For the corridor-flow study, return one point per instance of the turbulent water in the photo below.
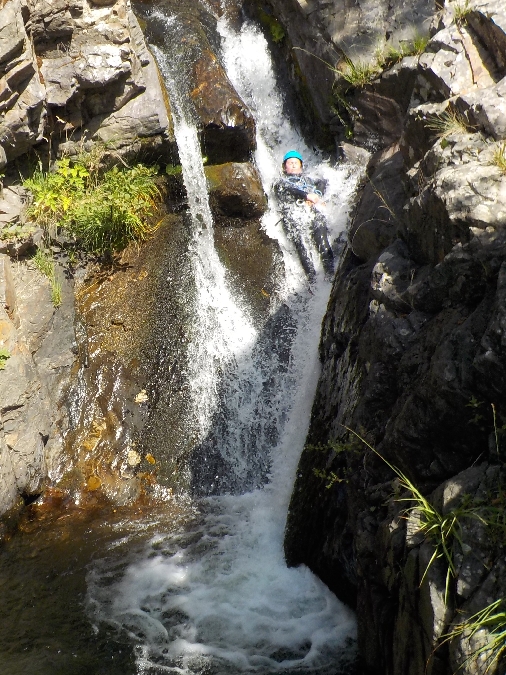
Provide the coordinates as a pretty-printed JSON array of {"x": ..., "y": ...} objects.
[
  {"x": 202, "y": 587},
  {"x": 217, "y": 597}
]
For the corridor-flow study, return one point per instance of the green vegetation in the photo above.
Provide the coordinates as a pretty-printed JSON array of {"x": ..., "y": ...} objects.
[
  {"x": 45, "y": 265},
  {"x": 173, "y": 169},
  {"x": 492, "y": 619},
  {"x": 16, "y": 231},
  {"x": 447, "y": 123},
  {"x": 104, "y": 210},
  {"x": 359, "y": 73},
  {"x": 389, "y": 55},
  {"x": 441, "y": 529},
  {"x": 4, "y": 355},
  {"x": 499, "y": 157},
  {"x": 275, "y": 28},
  {"x": 461, "y": 11}
]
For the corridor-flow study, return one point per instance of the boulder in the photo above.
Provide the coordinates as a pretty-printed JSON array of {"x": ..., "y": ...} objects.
[
  {"x": 227, "y": 126},
  {"x": 236, "y": 190},
  {"x": 488, "y": 20},
  {"x": 486, "y": 109}
]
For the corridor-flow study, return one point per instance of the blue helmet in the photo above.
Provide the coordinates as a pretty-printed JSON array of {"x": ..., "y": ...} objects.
[{"x": 293, "y": 153}]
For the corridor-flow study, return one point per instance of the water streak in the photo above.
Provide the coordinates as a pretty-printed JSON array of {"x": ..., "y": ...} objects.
[{"x": 217, "y": 597}]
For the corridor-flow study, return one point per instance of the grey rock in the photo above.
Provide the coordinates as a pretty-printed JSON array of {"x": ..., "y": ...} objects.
[
  {"x": 30, "y": 386},
  {"x": 378, "y": 216},
  {"x": 23, "y": 125},
  {"x": 51, "y": 21},
  {"x": 486, "y": 109},
  {"x": 12, "y": 30},
  {"x": 488, "y": 20}
]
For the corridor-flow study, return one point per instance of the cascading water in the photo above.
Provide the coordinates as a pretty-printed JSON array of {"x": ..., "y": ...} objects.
[{"x": 216, "y": 597}]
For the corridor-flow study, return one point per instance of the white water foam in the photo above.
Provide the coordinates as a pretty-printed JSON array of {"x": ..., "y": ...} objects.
[
  {"x": 217, "y": 598},
  {"x": 221, "y": 318}
]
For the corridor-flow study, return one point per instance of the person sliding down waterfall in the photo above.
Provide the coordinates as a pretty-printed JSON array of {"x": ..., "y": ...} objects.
[{"x": 298, "y": 196}]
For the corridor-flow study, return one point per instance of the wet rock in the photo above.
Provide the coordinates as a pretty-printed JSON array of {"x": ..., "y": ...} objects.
[
  {"x": 228, "y": 128},
  {"x": 253, "y": 260},
  {"x": 317, "y": 37},
  {"x": 39, "y": 343},
  {"x": 236, "y": 190}
]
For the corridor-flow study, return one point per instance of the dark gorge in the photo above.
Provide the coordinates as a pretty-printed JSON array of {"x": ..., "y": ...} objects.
[{"x": 209, "y": 463}]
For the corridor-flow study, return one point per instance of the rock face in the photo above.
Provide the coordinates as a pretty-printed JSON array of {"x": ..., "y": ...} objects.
[
  {"x": 316, "y": 37},
  {"x": 413, "y": 359},
  {"x": 78, "y": 73},
  {"x": 40, "y": 345},
  {"x": 74, "y": 74},
  {"x": 227, "y": 126}
]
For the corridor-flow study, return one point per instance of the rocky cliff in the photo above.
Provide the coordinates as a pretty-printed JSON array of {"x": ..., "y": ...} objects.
[
  {"x": 70, "y": 74},
  {"x": 80, "y": 400},
  {"x": 412, "y": 348}
]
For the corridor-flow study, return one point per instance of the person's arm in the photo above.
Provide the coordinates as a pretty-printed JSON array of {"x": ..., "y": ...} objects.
[{"x": 284, "y": 188}]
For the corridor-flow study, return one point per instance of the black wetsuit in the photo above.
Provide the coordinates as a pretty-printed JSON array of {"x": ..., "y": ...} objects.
[{"x": 292, "y": 191}]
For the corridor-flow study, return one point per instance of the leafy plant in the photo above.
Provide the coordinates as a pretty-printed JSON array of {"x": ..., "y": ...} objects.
[
  {"x": 4, "y": 355},
  {"x": 103, "y": 209},
  {"x": 330, "y": 477},
  {"x": 275, "y": 28},
  {"x": 46, "y": 266},
  {"x": 447, "y": 123},
  {"x": 492, "y": 619}
]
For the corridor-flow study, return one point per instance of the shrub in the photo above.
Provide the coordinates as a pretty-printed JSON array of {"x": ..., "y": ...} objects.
[{"x": 104, "y": 210}]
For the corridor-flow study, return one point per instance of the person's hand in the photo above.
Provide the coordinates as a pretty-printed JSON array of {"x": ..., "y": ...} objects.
[{"x": 313, "y": 198}]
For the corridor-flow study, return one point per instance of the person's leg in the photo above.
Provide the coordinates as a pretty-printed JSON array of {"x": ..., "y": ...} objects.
[
  {"x": 293, "y": 229},
  {"x": 320, "y": 237}
]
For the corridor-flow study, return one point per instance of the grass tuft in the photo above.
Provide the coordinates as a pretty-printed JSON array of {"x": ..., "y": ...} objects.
[
  {"x": 499, "y": 157},
  {"x": 45, "y": 264},
  {"x": 448, "y": 123},
  {"x": 360, "y": 73},
  {"x": 492, "y": 619},
  {"x": 461, "y": 11},
  {"x": 442, "y": 530}
]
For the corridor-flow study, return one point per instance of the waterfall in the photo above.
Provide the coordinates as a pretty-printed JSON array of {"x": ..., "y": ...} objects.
[{"x": 215, "y": 596}]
